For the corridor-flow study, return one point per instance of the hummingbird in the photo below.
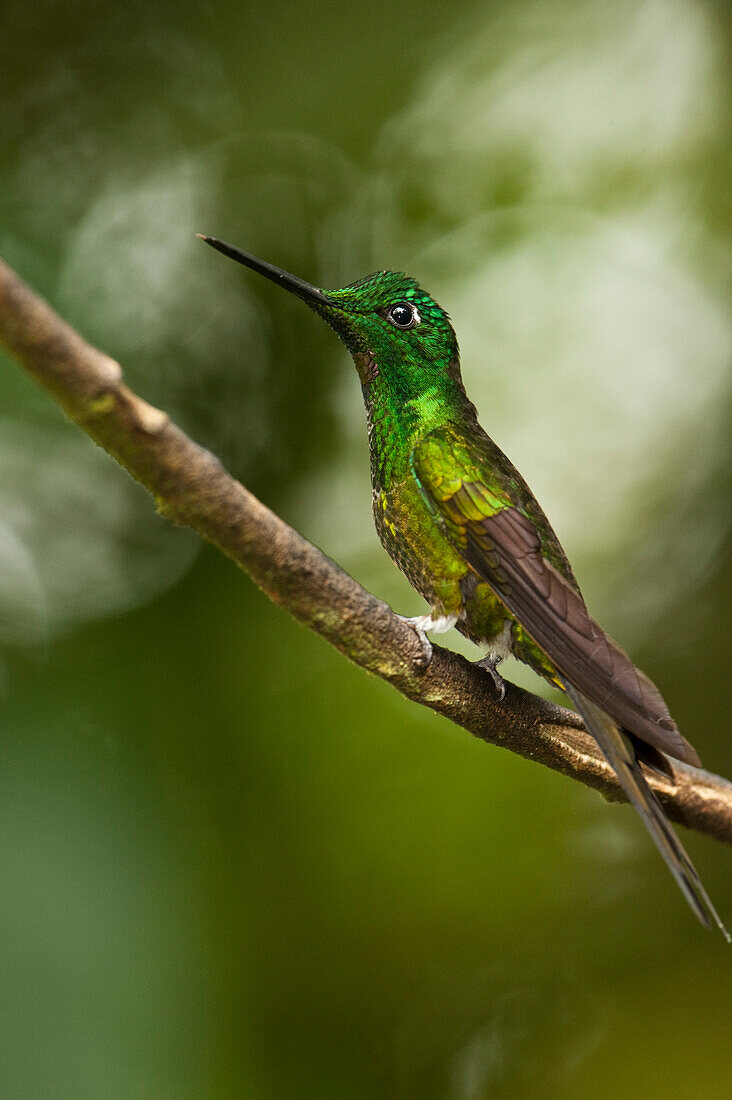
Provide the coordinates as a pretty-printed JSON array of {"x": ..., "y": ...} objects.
[{"x": 461, "y": 523}]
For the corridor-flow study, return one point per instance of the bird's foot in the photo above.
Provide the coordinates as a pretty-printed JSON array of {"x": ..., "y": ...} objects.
[
  {"x": 490, "y": 664},
  {"x": 422, "y": 624}
]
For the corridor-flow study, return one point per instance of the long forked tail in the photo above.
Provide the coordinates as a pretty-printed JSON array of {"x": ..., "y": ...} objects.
[{"x": 620, "y": 754}]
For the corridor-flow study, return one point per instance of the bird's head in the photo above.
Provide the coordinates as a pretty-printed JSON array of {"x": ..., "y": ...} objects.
[{"x": 393, "y": 329}]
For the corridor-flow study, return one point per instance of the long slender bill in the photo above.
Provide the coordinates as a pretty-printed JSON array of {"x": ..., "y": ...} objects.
[{"x": 276, "y": 275}]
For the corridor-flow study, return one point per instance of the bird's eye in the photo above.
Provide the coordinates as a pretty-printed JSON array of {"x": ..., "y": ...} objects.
[{"x": 403, "y": 315}]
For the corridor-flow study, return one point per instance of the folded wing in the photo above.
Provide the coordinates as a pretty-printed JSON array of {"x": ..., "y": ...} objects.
[{"x": 504, "y": 548}]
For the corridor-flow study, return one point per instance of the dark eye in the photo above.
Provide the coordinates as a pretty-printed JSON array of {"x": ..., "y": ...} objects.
[{"x": 402, "y": 315}]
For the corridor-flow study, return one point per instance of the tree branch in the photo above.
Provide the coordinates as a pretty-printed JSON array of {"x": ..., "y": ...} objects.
[{"x": 192, "y": 488}]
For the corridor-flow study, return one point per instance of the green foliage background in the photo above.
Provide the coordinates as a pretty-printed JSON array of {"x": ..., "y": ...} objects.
[{"x": 231, "y": 864}]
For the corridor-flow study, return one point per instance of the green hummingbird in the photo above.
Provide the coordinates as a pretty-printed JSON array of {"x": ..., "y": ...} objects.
[{"x": 458, "y": 519}]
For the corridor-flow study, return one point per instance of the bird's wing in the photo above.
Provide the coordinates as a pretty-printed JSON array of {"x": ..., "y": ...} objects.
[{"x": 487, "y": 523}]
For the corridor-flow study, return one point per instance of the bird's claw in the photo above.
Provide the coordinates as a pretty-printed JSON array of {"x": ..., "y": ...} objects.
[
  {"x": 420, "y": 624},
  {"x": 489, "y": 664}
]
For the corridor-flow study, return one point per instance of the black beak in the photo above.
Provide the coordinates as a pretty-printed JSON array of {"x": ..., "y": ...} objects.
[{"x": 290, "y": 282}]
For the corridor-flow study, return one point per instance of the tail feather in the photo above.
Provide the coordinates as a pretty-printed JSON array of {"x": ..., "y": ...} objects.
[{"x": 620, "y": 754}]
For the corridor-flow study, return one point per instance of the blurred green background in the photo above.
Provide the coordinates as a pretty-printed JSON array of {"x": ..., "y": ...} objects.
[{"x": 232, "y": 865}]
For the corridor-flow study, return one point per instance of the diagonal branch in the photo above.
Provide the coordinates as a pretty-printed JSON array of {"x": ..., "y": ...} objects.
[{"x": 192, "y": 488}]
